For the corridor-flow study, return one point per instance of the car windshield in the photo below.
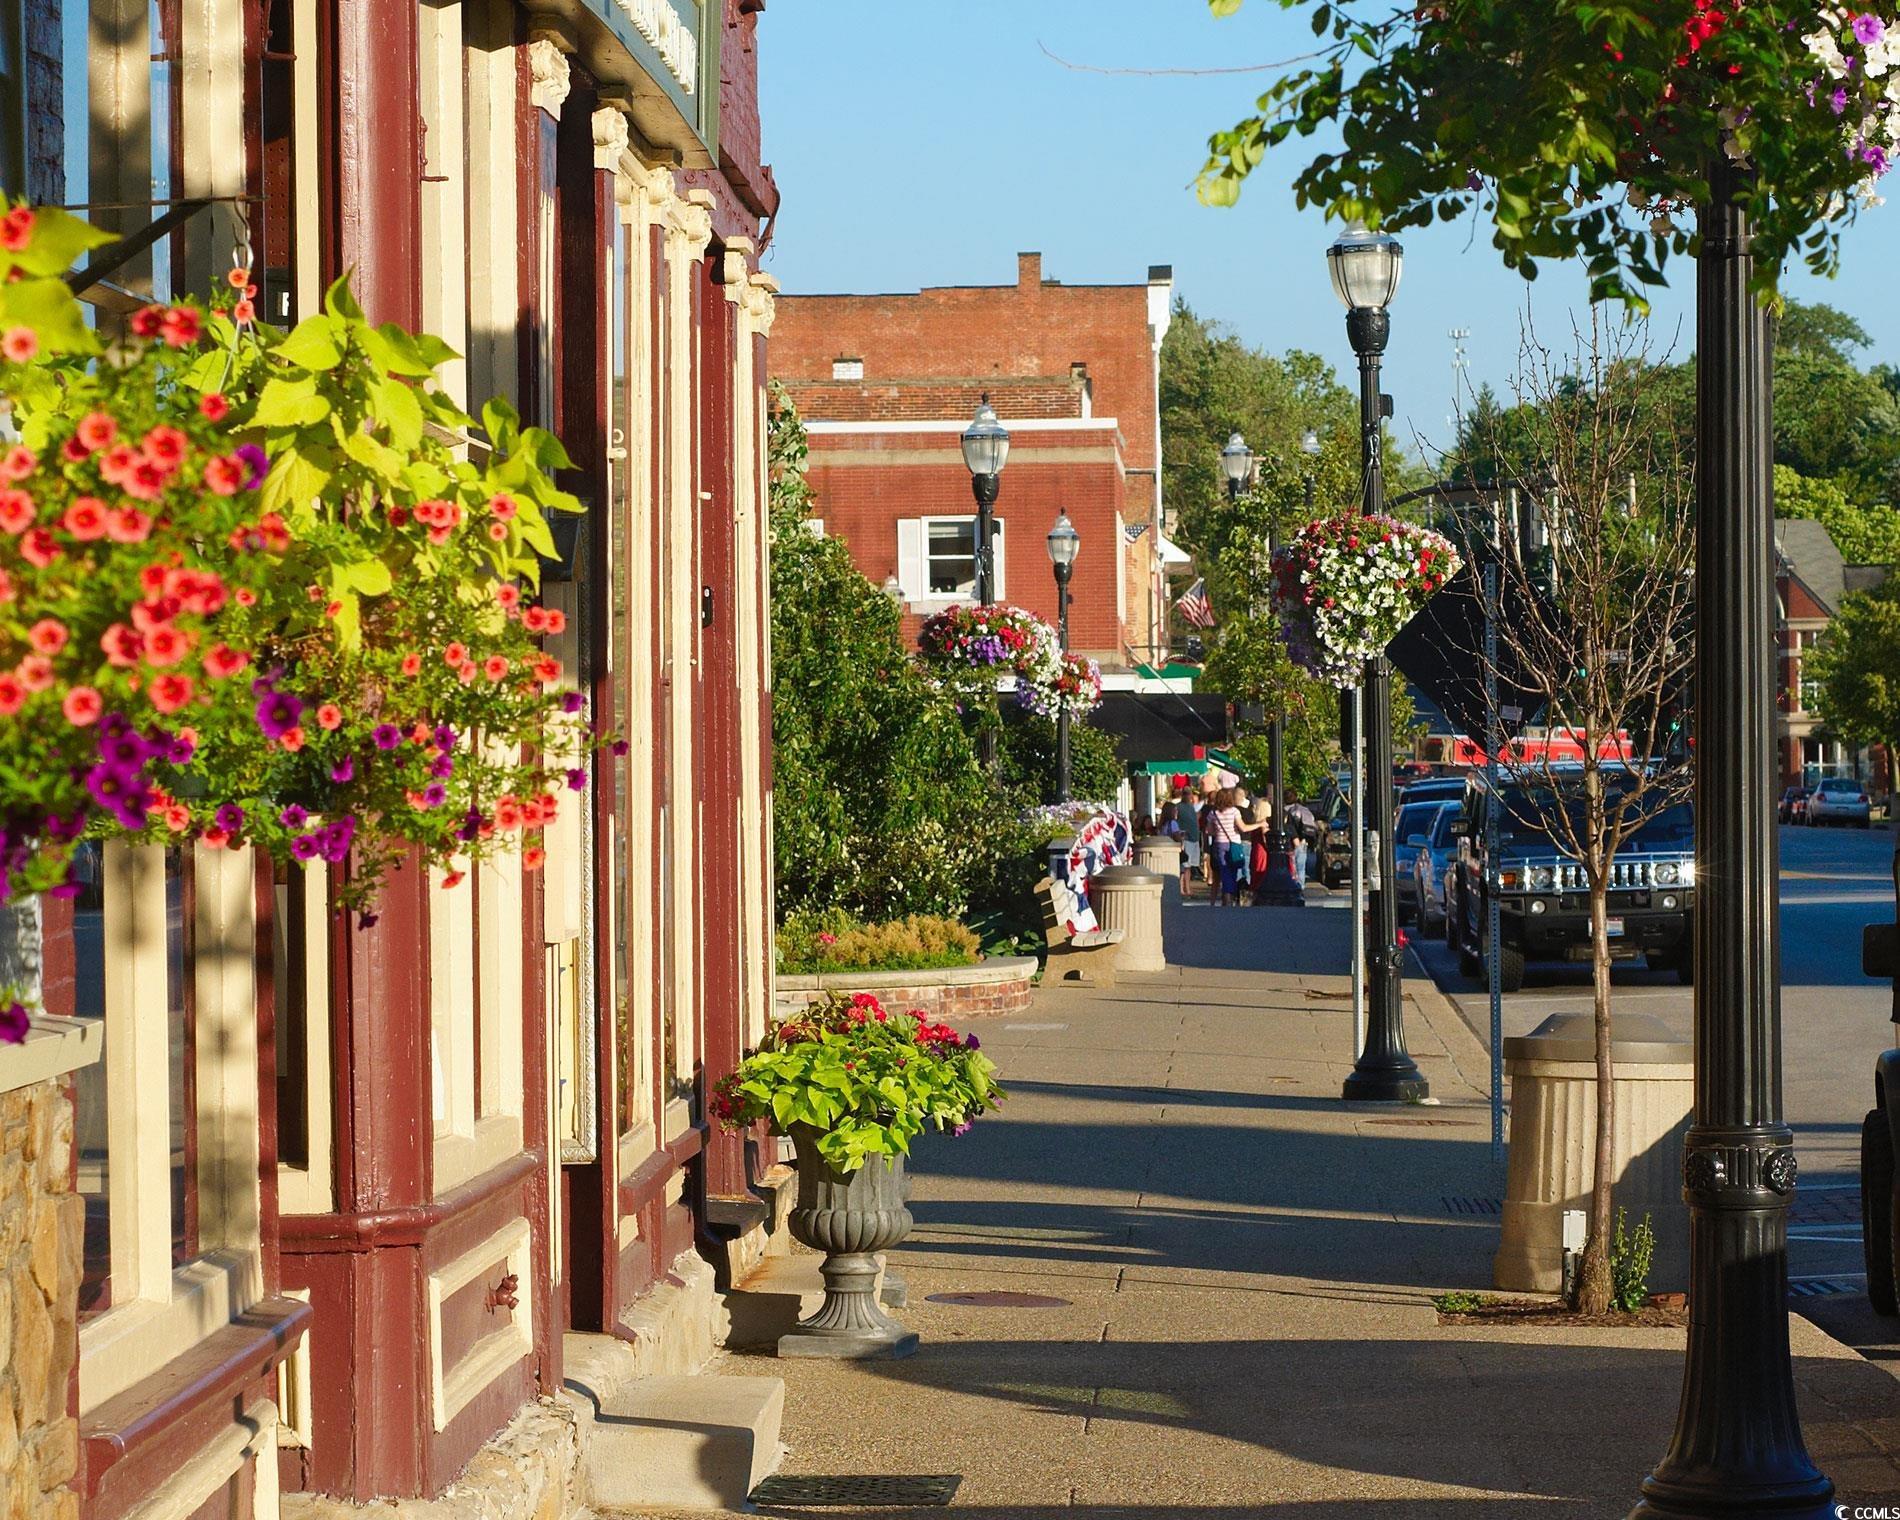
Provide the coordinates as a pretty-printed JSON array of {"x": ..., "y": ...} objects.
[
  {"x": 1451, "y": 819},
  {"x": 1529, "y": 811},
  {"x": 1415, "y": 818}
]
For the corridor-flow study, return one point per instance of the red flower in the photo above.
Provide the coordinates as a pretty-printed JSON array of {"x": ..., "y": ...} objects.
[
  {"x": 82, "y": 706},
  {"x": 224, "y": 661},
  {"x": 225, "y": 476},
  {"x": 213, "y": 407},
  {"x": 16, "y": 510},
  {"x": 171, "y": 691},
  {"x": 292, "y": 738},
  {"x": 12, "y": 695},
  {"x": 85, "y": 519},
  {"x": 48, "y": 635},
  {"x": 39, "y": 547},
  {"x": 533, "y": 858},
  {"x": 16, "y": 229},
  {"x": 411, "y": 664},
  {"x": 329, "y": 717},
  {"x": 19, "y": 344},
  {"x": 495, "y": 667},
  {"x": 128, "y": 525},
  {"x": 455, "y": 654},
  {"x": 36, "y": 672},
  {"x": 180, "y": 326}
]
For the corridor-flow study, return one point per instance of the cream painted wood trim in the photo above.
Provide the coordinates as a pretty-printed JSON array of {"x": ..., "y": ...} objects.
[
  {"x": 209, "y": 80},
  {"x": 493, "y": 232},
  {"x": 446, "y": 233},
  {"x": 130, "y": 1342},
  {"x": 452, "y": 1388},
  {"x": 138, "y": 1125},
  {"x": 53, "y": 1047},
  {"x": 688, "y": 227},
  {"x": 452, "y": 1047},
  {"x": 224, "y": 967},
  {"x": 499, "y": 1000},
  {"x": 306, "y": 162},
  {"x": 463, "y": 1158},
  {"x": 312, "y": 1190},
  {"x": 249, "y": 1438},
  {"x": 293, "y": 1385}
]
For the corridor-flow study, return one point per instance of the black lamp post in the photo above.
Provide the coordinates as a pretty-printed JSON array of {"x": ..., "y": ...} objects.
[
  {"x": 1737, "y": 1450},
  {"x": 985, "y": 450},
  {"x": 1365, "y": 267},
  {"x": 1064, "y": 544}
]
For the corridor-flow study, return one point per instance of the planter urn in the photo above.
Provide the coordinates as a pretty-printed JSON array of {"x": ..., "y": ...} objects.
[{"x": 851, "y": 1217}]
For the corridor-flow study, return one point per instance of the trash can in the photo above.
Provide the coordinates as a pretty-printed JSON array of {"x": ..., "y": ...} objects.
[
  {"x": 1553, "y": 1076},
  {"x": 1129, "y": 898},
  {"x": 1160, "y": 854}
]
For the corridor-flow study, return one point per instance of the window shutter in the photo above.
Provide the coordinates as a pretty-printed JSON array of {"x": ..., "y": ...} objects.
[
  {"x": 1000, "y": 540},
  {"x": 912, "y": 572}
]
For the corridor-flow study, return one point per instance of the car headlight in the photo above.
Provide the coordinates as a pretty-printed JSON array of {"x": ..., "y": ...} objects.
[
  {"x": 1541, "y": 878},
  {"x": 1668, "y": 874},
  {"x": 1685, "y": 873}
]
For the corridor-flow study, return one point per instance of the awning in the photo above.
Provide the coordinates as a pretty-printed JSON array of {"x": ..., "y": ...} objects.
[
  {"x": 1170, "y": 552},
  {"x": 1161, "y": 726}
]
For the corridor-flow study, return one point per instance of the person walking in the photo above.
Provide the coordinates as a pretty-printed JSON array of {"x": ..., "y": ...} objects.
[
  {"x": 1227, "y": 840},
  {"x": 1179, "y": 823}
]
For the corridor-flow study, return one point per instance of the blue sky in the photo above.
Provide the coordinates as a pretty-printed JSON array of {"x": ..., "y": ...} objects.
[{"x": 924, "y": 142}]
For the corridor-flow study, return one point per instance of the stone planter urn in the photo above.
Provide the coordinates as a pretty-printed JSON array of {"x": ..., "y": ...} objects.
[{"x": 851, "y": 1217}]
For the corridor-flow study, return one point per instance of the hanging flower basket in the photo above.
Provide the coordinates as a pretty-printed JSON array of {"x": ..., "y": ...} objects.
[
  {"x": 1076, "y": 684},
  {"x": 1345, "y": 586},
  {"x": 972, "y": 646}
]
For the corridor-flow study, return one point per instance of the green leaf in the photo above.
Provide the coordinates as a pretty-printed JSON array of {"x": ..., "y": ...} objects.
[
  {"x": 285, "y": 403},
  {"x": 395, "y": 351},
  {"x": 501, "y": 422},
  {"x": 293, "y": 482},
  {"x": 535, "y": 531},
  {"x": 385, "y": 462},
  {"x": 371, "y": 577},
  {"x": 348, "y": 620},
  {"x": 58, "y": 240},
  {"x": 50, "y": 309},
  {"x": 398, "y": 408},
  {"x": 311, "y": 344},
  {"x": 340, "y": 301}
]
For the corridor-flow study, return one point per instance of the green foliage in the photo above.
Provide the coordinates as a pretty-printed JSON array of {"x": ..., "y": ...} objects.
[
  {"x": 1630, "y": 1254},
  {"x": 1865, "y": 535},
  {"x": 1575, "y": 128},
  {"x": 866, "y": 1081},
  {"x": 833, "y": 940},
  {"x": 1460, "y": 1302},
  {"x": 880, "y": 805},
  {"x": 1026, "y": 758},
  {"x": 1858, "y": 667}
]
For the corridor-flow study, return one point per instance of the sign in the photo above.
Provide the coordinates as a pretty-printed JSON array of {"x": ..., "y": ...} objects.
[{"x": 673, "y": 36}]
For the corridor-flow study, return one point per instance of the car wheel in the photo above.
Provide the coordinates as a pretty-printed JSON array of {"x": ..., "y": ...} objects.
[
  {"x": 1510, "y": 969},
  {"x": 1876, "y": 1211}
]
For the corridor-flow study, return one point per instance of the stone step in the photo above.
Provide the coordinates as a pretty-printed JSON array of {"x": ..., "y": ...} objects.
[{"x": 680, "y": 1443}]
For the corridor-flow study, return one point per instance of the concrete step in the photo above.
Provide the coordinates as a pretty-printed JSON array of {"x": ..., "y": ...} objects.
[
  {"x": 680, "y": 1443},
  {"x": 781, "y": 1291}
]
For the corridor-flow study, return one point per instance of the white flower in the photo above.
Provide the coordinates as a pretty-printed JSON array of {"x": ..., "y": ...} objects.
[{"x": 1827, "y": 52}]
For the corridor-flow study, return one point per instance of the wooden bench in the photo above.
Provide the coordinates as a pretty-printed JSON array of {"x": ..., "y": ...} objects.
[{"x": 1087, "y": 957}]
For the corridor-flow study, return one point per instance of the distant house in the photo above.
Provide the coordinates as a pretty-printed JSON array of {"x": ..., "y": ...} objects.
[{"x": 1811, "y": 577}]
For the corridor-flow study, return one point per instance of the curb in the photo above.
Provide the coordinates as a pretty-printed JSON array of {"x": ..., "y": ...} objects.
[{"x": 1466, "y": 1048}]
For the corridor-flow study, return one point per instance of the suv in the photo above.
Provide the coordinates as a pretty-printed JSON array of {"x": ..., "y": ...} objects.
[
  {"x": 1880, "y": 956},
  {"x": 1544, "y": 904},
  {"x": 1840, "y": 799},
  {"x": 1335, "y": 808}
]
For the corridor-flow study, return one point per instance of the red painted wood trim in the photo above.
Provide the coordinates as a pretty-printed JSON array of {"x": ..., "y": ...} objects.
[
  {"x": 378, "y": 156},
  {"x": 331, "y": 1234},
  {"x": 216, "y": 1368},
  {"x": 645, "y": 1182}
]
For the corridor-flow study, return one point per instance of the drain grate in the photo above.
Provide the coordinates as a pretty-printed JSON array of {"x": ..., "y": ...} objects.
[
  {"x": 999, "y": 1300},
  {"x": 1472, "y": 1205},
  {"x": 1824, "y": 1287},
  {"x": 785, "y": 1492}
]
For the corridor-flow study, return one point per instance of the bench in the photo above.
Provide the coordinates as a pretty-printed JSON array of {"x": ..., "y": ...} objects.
[{"x": 1087, "y": 956}]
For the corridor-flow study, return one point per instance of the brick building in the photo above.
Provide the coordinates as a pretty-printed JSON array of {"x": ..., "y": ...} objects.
[
  {"x": 1811, "y": 577},
  {"x": 296, "y": 1215},
  {"x": 887, "y": 383}
]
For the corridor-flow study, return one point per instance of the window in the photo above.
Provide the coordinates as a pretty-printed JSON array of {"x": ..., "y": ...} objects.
[
  {"x": 164, "y": 946},
  {"x": 847, "y": 369},
  {"x": 12, "y": 98},
  {"x": 287, "y": 249},
  {"x": 936, "y": 559}
]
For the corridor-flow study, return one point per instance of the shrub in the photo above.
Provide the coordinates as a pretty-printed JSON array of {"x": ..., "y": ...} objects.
[
  {"x": 1026, "y": 758},
  {"x": 834, "y": 941},
  {"x": 1630, "y": 1255}
]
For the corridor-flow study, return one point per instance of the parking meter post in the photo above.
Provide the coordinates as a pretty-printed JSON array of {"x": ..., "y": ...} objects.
[
  {"x": 1493, "y": 741},
  {"x": 1358, "y": 875}
]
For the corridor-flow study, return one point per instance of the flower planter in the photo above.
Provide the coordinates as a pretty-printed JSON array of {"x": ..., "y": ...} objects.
[{"x": 850, "y": 1216}]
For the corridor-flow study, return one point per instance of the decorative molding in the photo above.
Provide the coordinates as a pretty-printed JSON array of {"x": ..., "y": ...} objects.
[
  {"x": 689, "y": 225},
  {"x": 610, "y": 137},
  {"x": 548, "y": 66},
  {"x": 505, "y": 1253}
]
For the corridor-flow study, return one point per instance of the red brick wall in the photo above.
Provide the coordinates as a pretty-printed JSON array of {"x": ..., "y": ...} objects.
[
  {"x": 1032, "y": 328},
  {"x": 861, "y": 504},
  {"x": 933, "y": 400}
]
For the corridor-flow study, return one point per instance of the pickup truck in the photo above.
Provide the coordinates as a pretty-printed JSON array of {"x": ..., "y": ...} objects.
[{"x": 1880, "y": 957}]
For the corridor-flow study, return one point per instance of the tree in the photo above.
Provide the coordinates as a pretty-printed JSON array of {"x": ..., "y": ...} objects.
[
  {"x": 1864, "y": 535},
  {"x": 1606, "y": 657},
  {"x": 1858, "y": 667},
  {"x": 1816, "y": 328}
]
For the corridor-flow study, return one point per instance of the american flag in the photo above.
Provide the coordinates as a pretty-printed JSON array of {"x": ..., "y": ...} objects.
[
  {"x": 1195, "y": 606},
  {"x": 1133, "y": 531}
]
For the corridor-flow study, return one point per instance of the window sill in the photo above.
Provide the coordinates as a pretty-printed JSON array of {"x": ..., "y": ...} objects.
[
  {"x": 138, "y": 1340},
  {"x": 463, "y": 1158},
  {"x": 53, "y": 1047}
]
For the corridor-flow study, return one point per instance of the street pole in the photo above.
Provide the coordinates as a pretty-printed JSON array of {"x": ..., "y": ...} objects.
[
  {"x": 1493, "y": 742},
  {"x": 1737, "y": 1450},
  {"x": 986, "y": 488},
  {"x": 1385, "y": 1072},
  {"x": 1062, "y": 702},
  {"x": 1358, "y": 873},
  {"x": 1282, "y": 888}
]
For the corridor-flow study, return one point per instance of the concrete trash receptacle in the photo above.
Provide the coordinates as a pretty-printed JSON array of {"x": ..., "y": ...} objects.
[
  {"x": 1553, "y": 1076},
  {"x": 1160, "y": 854},
  {"x": 1129, "y": 898}
]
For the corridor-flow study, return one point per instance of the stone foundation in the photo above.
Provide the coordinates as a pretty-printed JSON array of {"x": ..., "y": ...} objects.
[
  {"x": 1001, "y": 985},
  {"x": 40, "y": 1242}
]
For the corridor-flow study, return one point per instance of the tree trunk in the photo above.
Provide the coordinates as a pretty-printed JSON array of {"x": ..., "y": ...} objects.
[{"x": 1593, "y": 1281}]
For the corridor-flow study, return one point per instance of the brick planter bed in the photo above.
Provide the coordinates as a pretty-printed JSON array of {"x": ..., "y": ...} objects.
[{"x": 998, "y": 985}]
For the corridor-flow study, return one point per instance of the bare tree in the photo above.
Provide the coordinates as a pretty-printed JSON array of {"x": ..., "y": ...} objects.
[{"x": 1597, "y": 636}]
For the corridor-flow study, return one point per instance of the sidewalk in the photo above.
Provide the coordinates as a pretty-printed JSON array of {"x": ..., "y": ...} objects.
[{"x": 1248, "y": 1265}]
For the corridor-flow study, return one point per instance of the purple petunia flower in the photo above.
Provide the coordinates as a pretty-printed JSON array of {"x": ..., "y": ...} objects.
[
  {"x": 13, "y": 1023},
  {"x": 230, "y": 818},
  {"x": 293, "y": 817},
  {"x": 257, "y": 460},
  {"x": 434, "y": 794},
  {"x": 337, "y": 839},
  {"x": 386, "y": 736},
  {"x": 444, "y": 736},
  {"x": 1838, "y": 100},
  {"x": 573, "y": 702},
  {"x": 366, "y": 920},
  {"x": 344, "y": 770},
  {"x": 443, "y": 766},
  {"x": 971, "y": 1042},
  {"x": 577, "y": 780},
  {"x": 620, "y": 746},
  {"x": 1868, "y": 29},
  {"x": 472, "y": 822},
  {"x": 278, "y": 713},
  {"x": 306, "y": 847},
  {"x": 120, "y": 792},
  {"x": 179, "y": 748}
]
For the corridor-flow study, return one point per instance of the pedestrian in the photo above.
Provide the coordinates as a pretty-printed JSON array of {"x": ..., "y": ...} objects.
[
  {"x": 1210, "y": 865},
  {"x": 1262, "y": 826},
  {"x": 1186, "y": 827},
  {"x": 1227, "y": 839}
]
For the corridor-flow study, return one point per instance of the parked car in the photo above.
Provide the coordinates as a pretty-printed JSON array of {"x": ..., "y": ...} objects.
[
  {"x": 1840, "y": 800},
  {"x": 1879, "y": 1136},
  {"x": 1334, "y": 855},
  {"x": 1432, "y": 868},
  {"x": 1793, "y": 806},
  {"x": 1411, "y": 829},
  {"x": 1544, "y": 905},
  {"x": 1433, "y": 789}
]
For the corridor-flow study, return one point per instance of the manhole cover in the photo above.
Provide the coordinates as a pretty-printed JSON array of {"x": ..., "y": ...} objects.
[
  {"x": 999, "y": 1300},
  {"x": 1422, "y": 1123},
  {"x": 1472, "y": 1205},
  {"x": 785, "y": 1492}
]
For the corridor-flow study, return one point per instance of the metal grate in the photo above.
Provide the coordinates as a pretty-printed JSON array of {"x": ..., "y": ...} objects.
[
  {"x": 1472, "y": 1205},
  {"x": 921, "y": 1492}
]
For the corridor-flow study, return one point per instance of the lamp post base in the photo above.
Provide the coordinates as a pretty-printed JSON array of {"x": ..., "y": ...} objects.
[{"x": 1386, "y": 1084}]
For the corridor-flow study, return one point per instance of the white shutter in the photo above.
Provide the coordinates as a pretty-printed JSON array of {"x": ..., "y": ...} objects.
[
  {"x": 1001, "y": 541},
  {"x": 913, "y": 571}
]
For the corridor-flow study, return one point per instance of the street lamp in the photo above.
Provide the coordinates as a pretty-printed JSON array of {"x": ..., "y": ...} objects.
[
  {"x": 1064, "y": 544},
  {"x": 894, "y": 589},
  {"x": 985, "y": 450},
  {"x": 1365, "y": 268},
  {"x": 1737, "y": 1449},
  {"x": 1236, "y": 463}
]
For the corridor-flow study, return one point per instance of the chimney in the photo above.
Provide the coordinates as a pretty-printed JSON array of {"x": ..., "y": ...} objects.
[{"x": 1028, "y": 271}]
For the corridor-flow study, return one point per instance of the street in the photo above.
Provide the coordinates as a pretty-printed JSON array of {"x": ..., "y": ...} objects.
[{"x": 1835, "y": 1022}]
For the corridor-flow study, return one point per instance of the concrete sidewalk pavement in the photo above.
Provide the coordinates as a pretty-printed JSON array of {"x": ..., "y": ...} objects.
[{"x": 1246, "y": 1265}]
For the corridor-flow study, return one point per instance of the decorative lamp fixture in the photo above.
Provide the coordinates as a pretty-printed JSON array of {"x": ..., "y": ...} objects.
[
  {"x": 1365, "y": 267},
  {"x": 1064, "y": 543},
  {"x": 1236, "y": 462}
]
